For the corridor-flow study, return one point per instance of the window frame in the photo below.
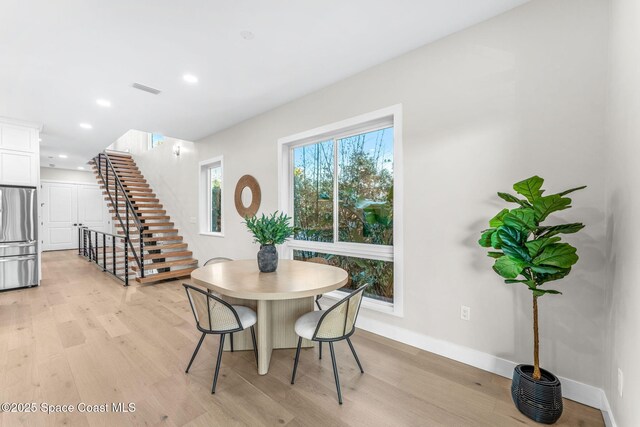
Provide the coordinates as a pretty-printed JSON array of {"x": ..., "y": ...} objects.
[
  {"x": 158, "y": 143},
  {"x": 204, "y": 191},
  {"x": 383, "y": 118}
]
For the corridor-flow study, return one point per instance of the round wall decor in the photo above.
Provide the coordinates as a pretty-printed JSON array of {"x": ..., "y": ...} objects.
[{"x": 250, "y": 183}]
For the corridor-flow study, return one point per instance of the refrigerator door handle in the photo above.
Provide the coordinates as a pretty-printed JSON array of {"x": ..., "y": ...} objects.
[
  {"x": 18, "y": 258},
  {"x": 18, "y": 245}
]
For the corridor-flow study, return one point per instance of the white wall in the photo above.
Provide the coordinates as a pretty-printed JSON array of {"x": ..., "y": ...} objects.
[
  {"x": 67, "y": 175},
  {"x": 623, "y": 201},
  {"x": 134, "y": 141},
  {"x": 518, "y": 95}
]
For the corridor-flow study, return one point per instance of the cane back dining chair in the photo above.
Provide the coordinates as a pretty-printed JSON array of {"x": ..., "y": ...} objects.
[
  {"x": 335, "y": 324},
  {"x": 217, "y": 260},
  {"x": 215, "y": 316}
]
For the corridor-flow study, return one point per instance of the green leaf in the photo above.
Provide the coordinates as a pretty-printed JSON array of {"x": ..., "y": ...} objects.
[
  {"x": 485, "y": 238},
  {"x": 535, "y": 246},
  {"x": 508, "y": 267},
  {"x": 543, "y": 278},
  {"x": 272, "y": 230},
  {"x": 530, "y": 188},
  {"x": 561, "y": 255},
  {"x": 495, "y": 254},
  {"x": 529, "y": 283},
  {"x": 513, "y": 243},
  {"x": 496, "y": 242},
  {"x": 522, "y": 219},
  {"x": 564, "y": 193},
  {"x": 510, "y": 236},
  {"x": 540, "y": 292},
  {"x": 560, "y": 229},
  {"x": 545, "y": 269},
  {"x": 517, "y": 252},
  {"x": 496, "y": 221},
  {"x": 548, "y": 204},
  {"x": 513, "y": 199}
]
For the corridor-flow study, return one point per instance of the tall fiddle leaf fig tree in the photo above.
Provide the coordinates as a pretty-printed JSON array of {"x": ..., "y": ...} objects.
[{"x": 528, "y": 252}]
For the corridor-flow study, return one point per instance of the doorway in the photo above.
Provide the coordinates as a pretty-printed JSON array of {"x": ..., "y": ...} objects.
[{"x": 68, "y": 206}]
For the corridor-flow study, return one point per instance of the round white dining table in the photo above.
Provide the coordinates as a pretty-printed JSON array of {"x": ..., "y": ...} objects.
[{"x": 279, "y": 298}]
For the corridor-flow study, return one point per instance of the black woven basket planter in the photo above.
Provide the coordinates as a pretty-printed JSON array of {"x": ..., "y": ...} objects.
[{"x": 539, "y": 400}]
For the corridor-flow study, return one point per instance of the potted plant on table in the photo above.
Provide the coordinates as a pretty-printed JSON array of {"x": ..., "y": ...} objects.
[
  {"x": 269, "y": 231},
  {"x": 533, "y": 254}
]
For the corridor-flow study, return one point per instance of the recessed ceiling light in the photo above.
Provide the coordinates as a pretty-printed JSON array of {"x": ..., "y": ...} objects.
[
  {"x": 190, "y": 78},
  {"x": 81, "y": 168},
  {"x": 247, "y": 35},
  {"x": 103, "y": 102},
  {"x": 62, "y": 156},
  {"x": 86, "y": 126}
]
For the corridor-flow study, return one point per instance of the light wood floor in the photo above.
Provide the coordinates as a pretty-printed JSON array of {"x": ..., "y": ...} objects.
[{"x": 83, "y": 337}]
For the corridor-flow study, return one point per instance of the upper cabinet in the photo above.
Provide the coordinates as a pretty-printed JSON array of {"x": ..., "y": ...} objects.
[
  {"x": 19, "y": 153},
  {"x": 18, "y": 138}
]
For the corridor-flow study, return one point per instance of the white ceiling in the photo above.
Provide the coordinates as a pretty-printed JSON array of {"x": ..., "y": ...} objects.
[{"x": 58, "y": 57}]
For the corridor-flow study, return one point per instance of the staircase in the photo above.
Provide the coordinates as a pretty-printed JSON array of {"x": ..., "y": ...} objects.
[{"x": 148, "y": 242}]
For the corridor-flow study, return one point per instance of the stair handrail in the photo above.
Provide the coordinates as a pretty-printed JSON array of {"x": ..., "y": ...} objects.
[
  {"x": 88, "y": 249},
  {"x": 129, "y": 208}
]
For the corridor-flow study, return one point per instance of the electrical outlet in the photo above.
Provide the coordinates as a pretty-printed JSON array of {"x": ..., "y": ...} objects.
[
  {"x": 465, "y": 312},
  {"x": 620, "y": 382}
]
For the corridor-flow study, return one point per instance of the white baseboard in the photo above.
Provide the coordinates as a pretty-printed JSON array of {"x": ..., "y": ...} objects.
[
  {"x": 571, "y": 389},
  {"x": 607, "y": 413}
]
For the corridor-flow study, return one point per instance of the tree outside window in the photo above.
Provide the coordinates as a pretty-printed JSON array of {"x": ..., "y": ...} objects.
[{"x": 343, "y": 193}]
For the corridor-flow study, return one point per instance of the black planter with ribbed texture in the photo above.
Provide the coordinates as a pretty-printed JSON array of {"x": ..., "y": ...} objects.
[
  {"x": 267, "y": 258},
  {"x": 539, "y": 400}
]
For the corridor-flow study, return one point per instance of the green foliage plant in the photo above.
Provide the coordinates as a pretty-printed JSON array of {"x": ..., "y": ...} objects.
[
  {"x": 527, "y": 252},
  {"x": 270, "y": 230}
]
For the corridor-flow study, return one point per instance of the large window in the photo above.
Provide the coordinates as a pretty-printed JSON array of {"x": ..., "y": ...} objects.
[
  {"x": 338, "y": 183},
  {"x": 211, "y": 196}
]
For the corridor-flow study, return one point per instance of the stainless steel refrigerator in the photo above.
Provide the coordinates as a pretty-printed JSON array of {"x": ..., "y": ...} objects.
[{"x": 18, "y": 237}]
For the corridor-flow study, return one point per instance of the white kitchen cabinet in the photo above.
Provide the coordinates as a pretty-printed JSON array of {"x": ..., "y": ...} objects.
[
  {"x": 17, "y": 168},
  {"x": 19, "y": 153},
  {"x": 18, "y": 138}
]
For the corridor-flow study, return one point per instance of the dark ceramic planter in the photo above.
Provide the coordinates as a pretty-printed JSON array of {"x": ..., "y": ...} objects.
[
  {"x": 267, "y": 258},
  {"x": 539, "y": 400}
]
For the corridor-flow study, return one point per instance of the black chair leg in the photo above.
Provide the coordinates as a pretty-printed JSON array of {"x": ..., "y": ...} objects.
[
  {"x": 295, "y": 364},
  {"x": 320, "y": 348},
  {"x": 255, "y": 346},
  {"x": 195, "y": 352},
  {"x": 215, "y": 376},
  {"x": 335, "y": 372},
  {"x": 231, "y": 338},
  {"x": 318, "y": 302},
  {"x": 353, "y": 350}
]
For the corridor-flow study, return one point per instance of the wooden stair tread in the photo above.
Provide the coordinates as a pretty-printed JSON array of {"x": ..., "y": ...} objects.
[
  {"x": 150, "y": 218},
  {"x": 143, "y": 198},
  {"x": 175, "y": 274},
  {"x": 156, "y": 239},
  {"x": 173, "y": 254},
  {"x": 161, "y": 238},
  {"x": 164, "y": 247},
  {"x": 160, "y": 231},
  {"x": 129, "y": 190},
  {"x": 148, "y": 225},
  {"x": 141, "y": 213},
  {"x": 168, "y": 264}
]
